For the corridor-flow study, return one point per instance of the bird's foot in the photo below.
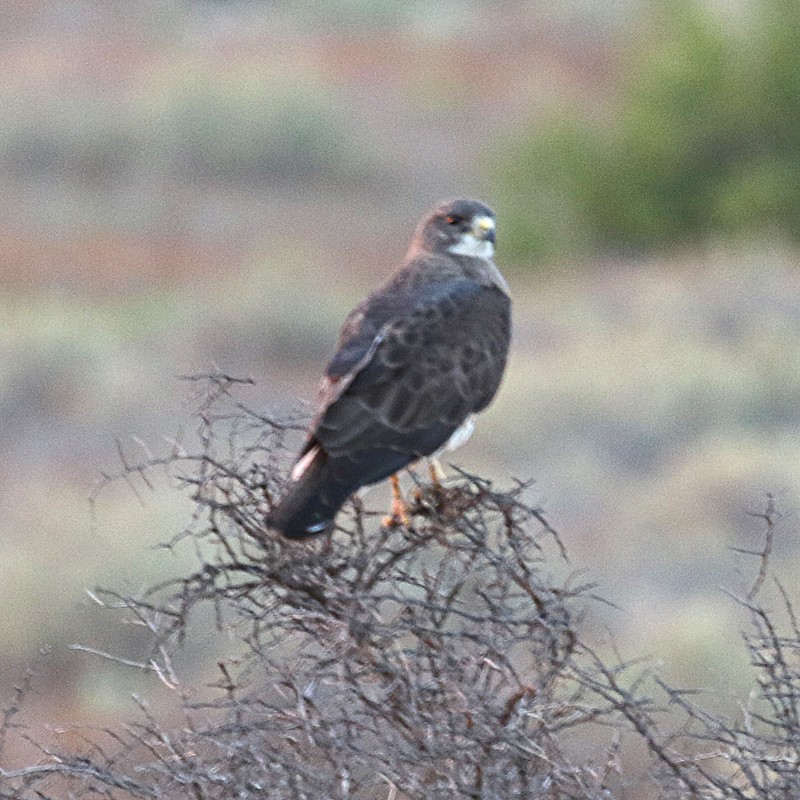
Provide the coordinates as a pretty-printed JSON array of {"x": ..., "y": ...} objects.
[
  {"x": 397, "y": 517},
  {"x": 399, "y": 512},
  {"x": 436, "y": 487}
]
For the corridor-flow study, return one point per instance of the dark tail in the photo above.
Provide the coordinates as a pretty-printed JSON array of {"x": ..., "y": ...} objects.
[{"x": 311, "y": 502}]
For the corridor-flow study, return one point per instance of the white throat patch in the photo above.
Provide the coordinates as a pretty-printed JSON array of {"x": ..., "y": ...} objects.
[{"x": 470, "y": 245}]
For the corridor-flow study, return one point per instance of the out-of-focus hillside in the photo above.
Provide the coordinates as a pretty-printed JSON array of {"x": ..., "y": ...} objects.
[{"x": 218, "y": 183}]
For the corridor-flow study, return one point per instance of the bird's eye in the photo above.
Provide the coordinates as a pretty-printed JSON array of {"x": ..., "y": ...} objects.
[{"x": 453, "y": 219}]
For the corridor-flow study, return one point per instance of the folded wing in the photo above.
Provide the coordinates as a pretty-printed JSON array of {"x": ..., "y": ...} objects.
[{"x": 404, "y": 378}]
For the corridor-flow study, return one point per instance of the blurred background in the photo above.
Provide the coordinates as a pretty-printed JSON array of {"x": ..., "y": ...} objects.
[{"x": 195, "y": 185}]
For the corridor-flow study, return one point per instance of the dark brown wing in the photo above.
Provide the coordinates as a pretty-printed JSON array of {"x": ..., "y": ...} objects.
[{"x": 416, "y": 378}]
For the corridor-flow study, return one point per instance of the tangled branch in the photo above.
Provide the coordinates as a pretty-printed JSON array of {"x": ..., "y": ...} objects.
[{"x": 442, "y": 660}]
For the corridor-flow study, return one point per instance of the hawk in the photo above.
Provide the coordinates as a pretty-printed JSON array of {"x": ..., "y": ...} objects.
[{"x": 415, "y": 362}]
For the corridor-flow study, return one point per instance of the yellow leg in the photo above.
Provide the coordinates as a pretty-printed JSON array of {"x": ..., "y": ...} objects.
[
  {"x": 436, "y": 472},
  {"x": 399, "y": 512}
]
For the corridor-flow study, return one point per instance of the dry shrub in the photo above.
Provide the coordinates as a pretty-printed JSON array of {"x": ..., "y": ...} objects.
[{"x": 445, "y": 660}]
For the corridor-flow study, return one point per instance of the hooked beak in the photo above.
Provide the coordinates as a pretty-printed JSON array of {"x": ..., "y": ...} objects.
[{"x": 483, "y": 229}]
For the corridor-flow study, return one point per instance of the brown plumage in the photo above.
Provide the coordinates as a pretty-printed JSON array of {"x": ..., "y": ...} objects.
[{"x": 415, "y": 361}]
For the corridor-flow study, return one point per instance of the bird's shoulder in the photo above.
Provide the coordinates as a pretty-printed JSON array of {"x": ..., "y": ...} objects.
[{"x": 422, "y": 290}]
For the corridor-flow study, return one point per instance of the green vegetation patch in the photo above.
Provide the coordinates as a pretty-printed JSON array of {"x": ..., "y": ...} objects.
[{"x": 700, "y": 139}]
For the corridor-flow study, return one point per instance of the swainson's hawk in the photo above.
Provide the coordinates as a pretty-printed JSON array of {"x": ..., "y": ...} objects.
[{"x": 415, "y": 362}]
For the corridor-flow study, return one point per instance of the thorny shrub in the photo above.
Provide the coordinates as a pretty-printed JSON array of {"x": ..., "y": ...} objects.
[{"x": 443, "y": 660}]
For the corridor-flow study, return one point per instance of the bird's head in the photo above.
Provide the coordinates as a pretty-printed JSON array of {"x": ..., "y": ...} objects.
[{"x": 462, "y": 227}]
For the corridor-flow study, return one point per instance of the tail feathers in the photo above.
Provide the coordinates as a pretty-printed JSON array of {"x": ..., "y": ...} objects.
[
  {"x": 312, "y": 500},
  {"x": 321, "y": 484}
]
